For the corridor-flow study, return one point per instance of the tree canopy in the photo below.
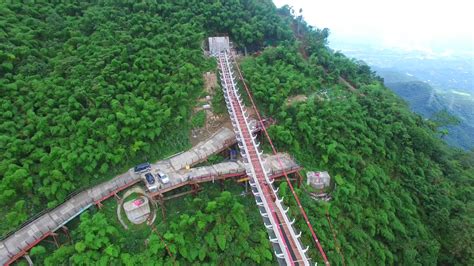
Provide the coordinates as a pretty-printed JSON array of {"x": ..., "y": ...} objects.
[
  {"x": 402, "y": 195},
  {"x": 88, "y": 88}
]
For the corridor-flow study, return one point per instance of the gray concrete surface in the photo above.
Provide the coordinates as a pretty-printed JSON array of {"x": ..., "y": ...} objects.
[
  {"x": 54, "y": 219},
  {"x": 219, "y": 171},
  {"x": 34, "y": 231}
]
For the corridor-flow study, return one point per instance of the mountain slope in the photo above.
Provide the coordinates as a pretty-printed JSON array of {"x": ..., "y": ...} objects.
[
  {"x": 392, "y": 172},
  {"x": 421, "y": 96},
  {"x": 89, "y": 88},
  {"x": 426, "y": 101}
]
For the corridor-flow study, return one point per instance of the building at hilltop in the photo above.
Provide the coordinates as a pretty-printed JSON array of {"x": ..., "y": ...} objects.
[{"x": 218, "y": 45}]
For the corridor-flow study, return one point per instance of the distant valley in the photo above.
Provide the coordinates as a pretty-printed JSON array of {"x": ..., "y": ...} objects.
[
  {"x": 429, "y": 84},
  {"x": 426, "y": 101}
]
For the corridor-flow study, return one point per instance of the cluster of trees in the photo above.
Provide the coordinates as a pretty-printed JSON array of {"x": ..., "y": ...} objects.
[
  {"x": 87, "y": 90},
  {"x": 96, "y": 241},
  {"x": 402, "y": 195},
  {"x": 90, "y": 87},
  {"x": 219, "y": 230},
  {"x": 250, "y": 24},
  {"x": 286, "y": 77}
]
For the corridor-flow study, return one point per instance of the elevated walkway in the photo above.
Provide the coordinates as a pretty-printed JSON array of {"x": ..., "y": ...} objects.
[
  {"x": 16, "y": 243},
  {"x": 216, "y": 143},
  {"x": 223, "y": 171},
  {"x": 282, "y": 235}
]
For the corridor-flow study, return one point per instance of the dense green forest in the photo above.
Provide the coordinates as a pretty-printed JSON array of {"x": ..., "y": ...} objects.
[
  {"x": 402, "y": 194},
  {"x": 199, "y": 230},
  {"x": 91, "y": 87}
]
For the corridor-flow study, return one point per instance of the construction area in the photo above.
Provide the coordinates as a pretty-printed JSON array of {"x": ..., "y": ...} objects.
[{"x": 163, "y": 177}]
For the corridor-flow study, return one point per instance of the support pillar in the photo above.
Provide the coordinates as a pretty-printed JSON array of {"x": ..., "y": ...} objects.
[
  {"x": 221, "y": 184},
  {"x": 195, "y": 188},
  {"x": 66, "y": 232},
  {"x": 28, "y": 259},
  {"x": 55, "y": 238},
  {"x": 161, "y": 201},
  {"x": 117, "y": 196},
  {"x": 99, "y": 204}
]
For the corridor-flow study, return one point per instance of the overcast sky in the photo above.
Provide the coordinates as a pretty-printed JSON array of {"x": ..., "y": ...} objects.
[{"x": 408, "y": 24}]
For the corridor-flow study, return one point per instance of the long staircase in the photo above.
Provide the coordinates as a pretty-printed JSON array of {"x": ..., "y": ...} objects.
[{"x": 288, "y": 248}]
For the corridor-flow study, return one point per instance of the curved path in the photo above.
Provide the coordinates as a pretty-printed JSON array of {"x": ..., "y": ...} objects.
[
  {"x": 15, "y": 245},
  {"x": 226, "y": 170}
]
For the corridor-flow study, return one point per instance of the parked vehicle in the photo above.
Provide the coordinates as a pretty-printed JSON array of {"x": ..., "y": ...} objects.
[
  {"x": 150, "y": 178},
  {"x": 163, "y": 177},
  {"x": 142, "y": 168},
  {"x": 151, "y": 183}
]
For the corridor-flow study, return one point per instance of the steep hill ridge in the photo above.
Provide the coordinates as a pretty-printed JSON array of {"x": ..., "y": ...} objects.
[{"x": 426, "y": 101}]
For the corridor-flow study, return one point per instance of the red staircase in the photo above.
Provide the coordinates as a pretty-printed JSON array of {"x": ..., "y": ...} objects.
[{"x": 288, "y": 248}]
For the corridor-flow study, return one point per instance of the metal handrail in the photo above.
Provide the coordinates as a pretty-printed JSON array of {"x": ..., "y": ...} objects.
[
  {"x": 240, "y": 110},
  {"x": 44, "y": 211}
]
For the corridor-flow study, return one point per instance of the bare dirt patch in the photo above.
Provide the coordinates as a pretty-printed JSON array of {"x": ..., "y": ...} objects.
[
  {"x": 296, "y": 99},
  {"x": 213, "y": 121},
  {"x": 210, "y": 82},
  {"x": 347, "y": 84}
]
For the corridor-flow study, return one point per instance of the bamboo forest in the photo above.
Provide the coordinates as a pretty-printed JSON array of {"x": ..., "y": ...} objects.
[{"x": 89, "y": 89}]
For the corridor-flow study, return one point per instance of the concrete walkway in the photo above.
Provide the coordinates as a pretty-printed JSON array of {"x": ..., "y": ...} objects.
[{"x": 18, "y": 243}]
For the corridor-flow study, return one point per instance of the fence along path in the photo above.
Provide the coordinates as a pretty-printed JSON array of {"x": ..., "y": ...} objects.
[
  {"x": 16, "y": 243},
  {"x": 285, "y": 240}
]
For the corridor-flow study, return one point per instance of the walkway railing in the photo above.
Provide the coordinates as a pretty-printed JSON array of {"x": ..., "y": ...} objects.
[{"x": 288, "y": 248}]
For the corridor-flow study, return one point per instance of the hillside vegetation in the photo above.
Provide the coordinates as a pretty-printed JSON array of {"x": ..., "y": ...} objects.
[
  {"x": 90, "y": 88},
  {"x": 424, "y": 100},
  {"x": 402, "y": 196},
  {"x": 428, "y": 102}
]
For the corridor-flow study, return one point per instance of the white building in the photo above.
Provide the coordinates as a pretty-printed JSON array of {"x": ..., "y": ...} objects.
[{"x": 218, "y": 45}]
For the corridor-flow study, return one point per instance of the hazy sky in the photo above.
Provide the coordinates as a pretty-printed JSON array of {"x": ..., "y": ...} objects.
[{"x": 408, "y": 24}]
